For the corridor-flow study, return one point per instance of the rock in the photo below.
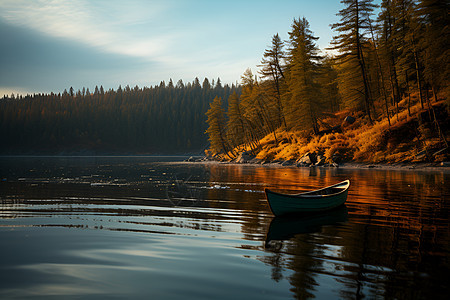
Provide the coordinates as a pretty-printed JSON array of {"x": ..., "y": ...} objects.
[
  {"x": 255, "y": 161},
  {"x": 305, "y": 160},
  {"x": 349, "y": 119},
  {"x": 320, "y": 160},
  {"x": 244, "y": 157},
  {"x": 308, "y": 158},
  {"x": 287, "y": 163}
]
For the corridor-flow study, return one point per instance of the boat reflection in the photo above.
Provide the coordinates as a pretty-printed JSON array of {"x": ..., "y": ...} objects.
[{"x": 286, "y": 227}]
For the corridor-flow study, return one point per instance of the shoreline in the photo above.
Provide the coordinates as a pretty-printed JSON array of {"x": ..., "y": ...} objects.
[{"x": 443, "y": 167}]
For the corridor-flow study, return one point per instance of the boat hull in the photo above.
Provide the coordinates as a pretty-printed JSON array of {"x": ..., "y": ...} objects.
[{"x": 282, "y": 204}]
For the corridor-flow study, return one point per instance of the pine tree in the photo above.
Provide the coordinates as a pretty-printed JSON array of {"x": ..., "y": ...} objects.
[
  {"x": 409, "y": 32},
  {"x": 272, "y": 70},
  {"x": 434, "y": 15},
  {"x": 328, "y": 82},
  {"x": 236, "y": 131},
  {"x": 256, "y": 109},
  {"x": 216, "y": 128},
  {"x": 349, "y": 43},
  {"x": 390, "y": 38},
  {"x": 303, "y": 73}
]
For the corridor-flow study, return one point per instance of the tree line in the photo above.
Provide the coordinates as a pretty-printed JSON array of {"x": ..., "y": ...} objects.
[
  {"x": 374, "y": 62},
  {"x": 164, "y": 119}
]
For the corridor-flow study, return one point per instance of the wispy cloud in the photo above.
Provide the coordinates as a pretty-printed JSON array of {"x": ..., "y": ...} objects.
[
  {"x": 52, "y": 44},
  {"x": 106, "y": 27}
]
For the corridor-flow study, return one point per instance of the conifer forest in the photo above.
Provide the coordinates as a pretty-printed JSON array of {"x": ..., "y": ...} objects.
[
  {"x": 387, "y": 68},
  {"x": 164, "y": 119}
]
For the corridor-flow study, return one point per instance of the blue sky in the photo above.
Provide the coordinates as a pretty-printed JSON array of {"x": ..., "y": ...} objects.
[{"x": 53, "y": 45}]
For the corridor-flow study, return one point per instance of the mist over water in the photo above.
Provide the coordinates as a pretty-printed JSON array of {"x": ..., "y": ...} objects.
[{"x": 140, "y": 227}]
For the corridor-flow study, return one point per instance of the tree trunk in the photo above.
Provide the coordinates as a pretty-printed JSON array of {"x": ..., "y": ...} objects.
[
  {"x": 393, "y": 70},
  {"x": 436, "y": 122},
  {"x": 380, "y": 71},
  {"x": 417, "y": 67},
  {"x": 360, "y": 58},
  {"x": 409, "y": 93}
]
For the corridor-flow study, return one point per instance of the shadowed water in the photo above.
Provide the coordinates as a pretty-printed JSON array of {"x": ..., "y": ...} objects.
[{"x": 146, "y": 227}]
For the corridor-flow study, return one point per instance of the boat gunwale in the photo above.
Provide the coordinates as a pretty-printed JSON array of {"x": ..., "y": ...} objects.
[{"x": 345, "y": 185}]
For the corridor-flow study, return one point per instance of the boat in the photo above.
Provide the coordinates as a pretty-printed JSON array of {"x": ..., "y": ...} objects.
[{"x": 313, "y": 201}]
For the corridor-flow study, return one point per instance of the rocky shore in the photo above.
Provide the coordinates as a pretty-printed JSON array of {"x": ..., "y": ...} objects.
[{"x": 311, "y": 160}]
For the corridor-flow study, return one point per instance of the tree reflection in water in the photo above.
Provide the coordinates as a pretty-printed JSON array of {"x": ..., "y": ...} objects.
[
  {"x": 391, "y": 240},
  {"x": 395, "y": 243}
]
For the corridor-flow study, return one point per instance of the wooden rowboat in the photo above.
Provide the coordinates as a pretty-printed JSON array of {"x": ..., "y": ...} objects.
[{"x": 313, "y": 201}]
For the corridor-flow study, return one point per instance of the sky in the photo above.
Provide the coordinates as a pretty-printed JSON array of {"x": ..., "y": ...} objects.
[{"x": 52, "y": 45}]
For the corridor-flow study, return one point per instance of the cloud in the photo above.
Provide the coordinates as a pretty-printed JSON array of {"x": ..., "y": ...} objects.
[
  {"x": 34, "y": 62},
  {"x": 49, "y": 45},
  {"x": 106, "y": 27}
]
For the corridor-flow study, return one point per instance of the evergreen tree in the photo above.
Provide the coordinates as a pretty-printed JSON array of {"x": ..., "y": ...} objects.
[
  {"x": 350, "y": 43},
  {"x": 303, "y": 72},
  {"x": 389, "y": 33},
  {"x": 206, "y": 85},
  {"x": 255, "y": 109},
  {"x": 272, "y": 70},
  {"x": 434, "y": 16},
  {"x": 216, "y": 128},
  {"x": 236, "y": 131},
  {"x": 328, "y": 82},
  {"x": 180, "y": 84},
  {"x": 218, "y": 84}
]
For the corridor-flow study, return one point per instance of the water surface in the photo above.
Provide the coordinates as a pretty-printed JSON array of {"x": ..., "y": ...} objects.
[{"x": 146, "y": 227}]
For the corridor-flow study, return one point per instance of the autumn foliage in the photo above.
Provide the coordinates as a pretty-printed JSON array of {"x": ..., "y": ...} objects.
[{"x": 385, "y": 72}]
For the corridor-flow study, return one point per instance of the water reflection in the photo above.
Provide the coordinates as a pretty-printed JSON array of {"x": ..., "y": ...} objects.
[
  {"x": 286, "y": 227},
  {"x": 148, "y": 218},
  {"x": 397, "y": 234}
]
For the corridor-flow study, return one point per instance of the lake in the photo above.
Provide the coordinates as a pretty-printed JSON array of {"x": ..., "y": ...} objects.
[{"x": 161, "y": 228}]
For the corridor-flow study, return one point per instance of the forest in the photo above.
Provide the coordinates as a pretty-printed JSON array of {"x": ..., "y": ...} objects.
[
  {"x": 163, "y": 119},
  {"x": 380, "y": 93}
]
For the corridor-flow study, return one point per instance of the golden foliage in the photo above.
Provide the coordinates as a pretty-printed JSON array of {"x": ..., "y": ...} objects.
[{"x": 360, "y": 142}]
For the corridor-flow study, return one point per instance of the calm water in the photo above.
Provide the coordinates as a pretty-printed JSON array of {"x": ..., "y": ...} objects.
[{"x": 143, "y": 227}]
